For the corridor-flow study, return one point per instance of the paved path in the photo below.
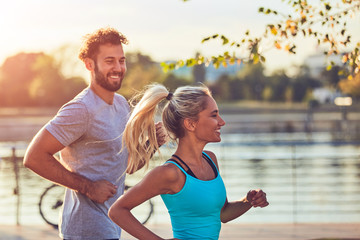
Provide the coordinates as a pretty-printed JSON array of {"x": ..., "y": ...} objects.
[{"x": 228, "y": 232}]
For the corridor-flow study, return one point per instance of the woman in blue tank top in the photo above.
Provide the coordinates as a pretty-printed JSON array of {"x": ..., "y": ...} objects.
[{"x": 189, "y": 182}]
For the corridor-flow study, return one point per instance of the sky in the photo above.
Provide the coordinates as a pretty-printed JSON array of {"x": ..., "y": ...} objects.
[{"x": 163, "y": 29}]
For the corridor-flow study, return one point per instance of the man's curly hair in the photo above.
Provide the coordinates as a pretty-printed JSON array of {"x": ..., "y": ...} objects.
[{"x": 92, "y": 42}]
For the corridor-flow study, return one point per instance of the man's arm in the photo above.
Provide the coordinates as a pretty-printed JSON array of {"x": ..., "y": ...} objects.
[{"x": 39, "y": 157}]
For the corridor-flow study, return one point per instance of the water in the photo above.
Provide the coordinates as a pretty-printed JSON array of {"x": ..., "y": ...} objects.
[{"x": 307, "y": 179}]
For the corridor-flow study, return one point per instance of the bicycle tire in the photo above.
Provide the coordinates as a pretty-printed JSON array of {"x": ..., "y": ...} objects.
[
  {"x": 144, "y": 211},
  {"x": 52, "y": 199},
  {"x": 50, "y": 203}
]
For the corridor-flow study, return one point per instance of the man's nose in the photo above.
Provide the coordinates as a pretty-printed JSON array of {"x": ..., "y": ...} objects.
[{"x": 120, "y": 67}]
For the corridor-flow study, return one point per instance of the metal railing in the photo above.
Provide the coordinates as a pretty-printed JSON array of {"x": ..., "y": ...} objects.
[{"x": 313, "y": 182}]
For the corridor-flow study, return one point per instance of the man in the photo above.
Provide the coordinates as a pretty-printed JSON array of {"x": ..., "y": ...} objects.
[{"x": 87, "y": 133}]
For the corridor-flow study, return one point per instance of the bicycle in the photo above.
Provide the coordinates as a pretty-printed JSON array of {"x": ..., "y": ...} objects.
[{"x": 51, "y": 201}]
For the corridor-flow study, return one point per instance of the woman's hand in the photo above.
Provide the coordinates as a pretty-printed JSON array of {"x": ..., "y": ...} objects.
[{"x": 257, "y": 198}]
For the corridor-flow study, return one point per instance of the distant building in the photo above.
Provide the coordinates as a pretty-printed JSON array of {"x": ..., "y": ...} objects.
[
  {"x": 212, "y": 74},
  {"x": 317, "y": 63},
  {"x": 325, "y": 95}
]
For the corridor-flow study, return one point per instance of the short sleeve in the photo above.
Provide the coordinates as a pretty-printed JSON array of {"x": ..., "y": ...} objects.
[{"x": 70, "y": 123}]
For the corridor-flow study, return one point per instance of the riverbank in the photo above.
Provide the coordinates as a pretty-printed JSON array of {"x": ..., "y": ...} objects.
[
  {"x": 242, "y": 107},
  {"x": 228, "y": 232},
  {"x": 21, "y": 124}
]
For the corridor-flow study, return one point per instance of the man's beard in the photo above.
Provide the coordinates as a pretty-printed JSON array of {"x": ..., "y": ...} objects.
[{"x": 103, "y": 80}]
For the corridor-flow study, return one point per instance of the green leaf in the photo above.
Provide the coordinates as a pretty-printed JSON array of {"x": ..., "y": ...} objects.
[
  {"x": 205, "y": 39},
  {"x": 165, "y": 67},
  {"x": 327, "y": 6},
  {"x": 190, "y": 62},
  {"x": 225, "y": 40},
  {"x": 255, "y": 58},
  {"x": 216, "y": 63},
  {"x": 180, "y": 63},
  {"x": 172, "y": 66}
]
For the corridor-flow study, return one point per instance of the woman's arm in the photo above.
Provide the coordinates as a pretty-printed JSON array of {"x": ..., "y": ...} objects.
[
  {"x": 158, "y": 181},
  {"x": 233, "y": 210}
]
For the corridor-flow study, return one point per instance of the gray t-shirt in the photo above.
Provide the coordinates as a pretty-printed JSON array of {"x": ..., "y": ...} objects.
[{"x": 90, "y": 129}]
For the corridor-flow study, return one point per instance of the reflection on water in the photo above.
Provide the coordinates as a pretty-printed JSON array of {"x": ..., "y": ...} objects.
[{"x": 305, "y": 180}]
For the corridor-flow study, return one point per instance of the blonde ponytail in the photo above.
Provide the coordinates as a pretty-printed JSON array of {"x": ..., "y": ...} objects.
[{"x": 140, "y": 135}]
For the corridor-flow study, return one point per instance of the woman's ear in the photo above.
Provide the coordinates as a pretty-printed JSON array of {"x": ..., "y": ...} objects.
[
  {"x": 189, "y": 124},
  {"x": 89, "y": 64}
]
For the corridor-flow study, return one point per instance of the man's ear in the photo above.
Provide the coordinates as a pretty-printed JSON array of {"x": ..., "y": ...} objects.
[
  {"x": 89, "y": 64},
  {"x": 189, "y": 124}
]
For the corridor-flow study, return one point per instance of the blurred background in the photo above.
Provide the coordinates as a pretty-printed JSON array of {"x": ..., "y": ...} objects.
[{"x": 290, "y": 97}]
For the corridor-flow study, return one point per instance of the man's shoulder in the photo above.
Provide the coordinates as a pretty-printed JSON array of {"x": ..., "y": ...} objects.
[
  {"x": 121, "y": 101},
  {"x": 78, "y": 104},
  {"x": 120, "y": 98}
]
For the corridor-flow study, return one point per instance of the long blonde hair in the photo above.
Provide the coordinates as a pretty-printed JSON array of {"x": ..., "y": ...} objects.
[{"x": 140, "y": 135}]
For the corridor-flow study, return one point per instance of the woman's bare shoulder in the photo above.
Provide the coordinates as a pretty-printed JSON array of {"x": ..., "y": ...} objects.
[
  {"x": 212, "y": 156},
  {"x": 167, "y": 172}
]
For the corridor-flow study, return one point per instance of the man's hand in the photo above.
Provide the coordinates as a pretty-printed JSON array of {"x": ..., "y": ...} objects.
[
  {"x": 100, "y": 191},
  {"x": 161, "y": 135}
]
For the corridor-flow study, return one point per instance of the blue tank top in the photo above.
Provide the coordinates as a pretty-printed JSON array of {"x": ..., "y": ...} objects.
[{"x": 195, "y": 209}]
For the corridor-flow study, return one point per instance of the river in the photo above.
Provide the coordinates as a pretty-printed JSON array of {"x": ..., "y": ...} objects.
[{"x": 307, "y": 178}]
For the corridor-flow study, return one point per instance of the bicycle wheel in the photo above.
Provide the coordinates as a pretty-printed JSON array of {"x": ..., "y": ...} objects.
[
  {"x": 50, "y": 203},
  {"x": 144, "y": 211}
]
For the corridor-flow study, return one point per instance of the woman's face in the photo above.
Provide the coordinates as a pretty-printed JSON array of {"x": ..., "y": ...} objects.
[{"x": 209, "y": 122}]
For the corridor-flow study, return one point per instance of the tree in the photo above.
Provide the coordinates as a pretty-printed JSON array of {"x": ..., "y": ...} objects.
[
  {"x": 276, "y": 86},
  {"x": 172, "y": 82},
  {"x": 221, "y": 88},
  {"x": 35, "y": 79},
  {"x": 199, "y": 71},
  {"x": 323, "y": 21},
  {"x": 47, "y": 86},
  {"x": 351, "y": 86},
  {"x": 254, "y": 79},
  {"x": 16, "y": 75},
  {"x": 331, "y": 76},
  {"x": 302, "y": 85},
  {"x": 238, "y": 89},
  {"x": 141, "y": 71}
]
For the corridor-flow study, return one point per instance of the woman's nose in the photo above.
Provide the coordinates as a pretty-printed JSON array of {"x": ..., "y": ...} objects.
[{"x": 221, "y": 122}]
